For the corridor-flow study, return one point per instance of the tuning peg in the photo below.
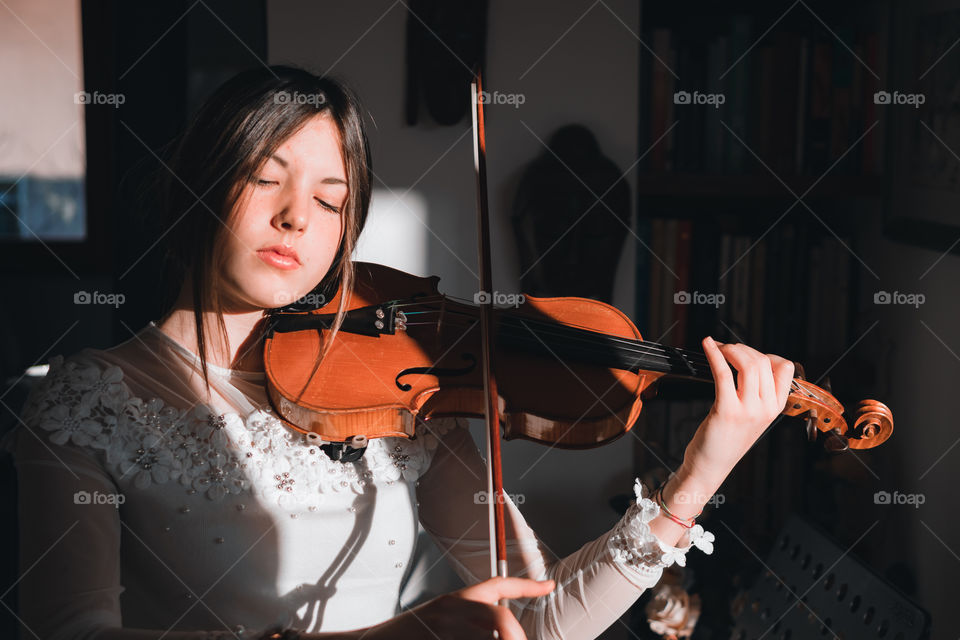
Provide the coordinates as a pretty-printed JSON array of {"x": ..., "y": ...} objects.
[
  {"x": 835, "y": 442},
  {"x": 811, "y": 423}
]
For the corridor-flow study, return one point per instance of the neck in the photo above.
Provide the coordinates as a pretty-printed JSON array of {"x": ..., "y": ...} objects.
[{"x": 241, "y": 347}]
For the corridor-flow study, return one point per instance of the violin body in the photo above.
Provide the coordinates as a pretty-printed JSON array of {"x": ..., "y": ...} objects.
[{"x": 377, "y": 384}]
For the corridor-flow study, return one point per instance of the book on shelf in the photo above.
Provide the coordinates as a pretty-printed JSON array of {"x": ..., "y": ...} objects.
[
  {"x": 799, "y": 99},
  {"x": 785, "y": 292}
]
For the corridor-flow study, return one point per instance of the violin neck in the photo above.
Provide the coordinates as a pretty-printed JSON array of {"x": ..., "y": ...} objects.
[{"x": 582, "y": 345}]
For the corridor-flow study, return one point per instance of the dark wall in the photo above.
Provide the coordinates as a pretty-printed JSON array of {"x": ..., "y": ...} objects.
[{"x": 164, "y": 57}]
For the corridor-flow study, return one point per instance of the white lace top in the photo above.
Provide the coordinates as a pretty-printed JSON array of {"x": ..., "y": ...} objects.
[{"x": 152, "y": 515}]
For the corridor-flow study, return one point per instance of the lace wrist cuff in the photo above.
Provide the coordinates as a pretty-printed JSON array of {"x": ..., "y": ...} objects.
[{"x": 633, "y": 545}]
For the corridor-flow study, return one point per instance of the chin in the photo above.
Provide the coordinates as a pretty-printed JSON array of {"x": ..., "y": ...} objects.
[
  {"x": 264, "y": 295},
  {"x": 277, "y": 298}
]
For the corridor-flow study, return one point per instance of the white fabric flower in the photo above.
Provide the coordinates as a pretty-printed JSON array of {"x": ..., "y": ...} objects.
[
  {"x": 146, "y": 442},
  {"x": 74, "y": 424},
  {"x": 672, "y": 555},
  {"x": 634, "y": 545},
  {"x": 213, "y": 428},
  {"x": 648, "y": 508},
  {"x": 148, "y": 465},
  {"x": 104, "y": 387},
  {"x": 222, "y": 476},
  {"x": 702, "y": 539}
]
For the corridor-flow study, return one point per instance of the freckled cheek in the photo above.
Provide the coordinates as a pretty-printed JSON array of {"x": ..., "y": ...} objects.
[
  {"x": 323, "y": 246},
  {"x": 254, "y": 219},
  {"x": 241, "y": 246},
  {"x": 250, "y": 230}
]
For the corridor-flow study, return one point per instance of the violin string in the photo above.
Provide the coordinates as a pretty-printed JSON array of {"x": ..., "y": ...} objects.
[
  {"x": 635, "y": 348},
  {"x": 632, "y": 348},
  {"x": 583, "y": 353},
  {"x": 626, "y": 341},
  {"x": 647, "y": 347},
  {"x": 689, "y": 354},
  {"x": 699, "y": 361},
  {"x": 464, "y": 301},
  {"x": 794, "y": 386},
  {"x": 577, "y": 349}
]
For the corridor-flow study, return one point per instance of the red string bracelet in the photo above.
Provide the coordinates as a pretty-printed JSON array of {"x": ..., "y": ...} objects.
[{"x": 686, "y": 524}]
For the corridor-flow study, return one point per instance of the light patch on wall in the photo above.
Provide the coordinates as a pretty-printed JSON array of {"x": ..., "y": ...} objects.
[
  {"x": 42, "y": 147},
  {"x": 396, "y": 231}
]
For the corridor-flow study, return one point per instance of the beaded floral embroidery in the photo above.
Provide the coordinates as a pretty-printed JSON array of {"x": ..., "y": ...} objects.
[{"x": 148, "y": 442}]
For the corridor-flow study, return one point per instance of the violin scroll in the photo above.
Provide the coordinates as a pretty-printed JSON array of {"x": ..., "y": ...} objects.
[
  {"x": 873, "y": 422},
  {"x": 872, "y": 426}
]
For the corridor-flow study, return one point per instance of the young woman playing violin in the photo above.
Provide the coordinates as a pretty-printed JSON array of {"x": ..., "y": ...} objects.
[{"x": 161, "y": 496}]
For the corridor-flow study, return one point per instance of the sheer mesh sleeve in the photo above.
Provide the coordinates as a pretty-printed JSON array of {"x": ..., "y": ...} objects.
[
  {"x": 594, "y": 586},
  {"x": 69, "y": 510}
]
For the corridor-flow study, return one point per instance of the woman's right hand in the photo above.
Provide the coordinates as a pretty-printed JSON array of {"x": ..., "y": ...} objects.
[{"x": 471, "y": 612}]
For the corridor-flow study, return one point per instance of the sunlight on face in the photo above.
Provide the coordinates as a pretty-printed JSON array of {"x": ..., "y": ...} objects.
[{"x": 287, "y": 226}]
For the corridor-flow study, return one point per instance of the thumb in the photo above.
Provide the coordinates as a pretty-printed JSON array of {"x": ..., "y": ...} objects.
[{"x": 495, "y": 589}]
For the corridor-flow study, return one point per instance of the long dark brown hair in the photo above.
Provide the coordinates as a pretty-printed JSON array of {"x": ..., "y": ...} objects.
[{"x": 232, "y": 135}]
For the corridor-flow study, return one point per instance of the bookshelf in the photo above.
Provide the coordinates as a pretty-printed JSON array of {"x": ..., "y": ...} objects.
[
  {"x": 746, "y": 107},
  {"x": 756, "y": 186}
]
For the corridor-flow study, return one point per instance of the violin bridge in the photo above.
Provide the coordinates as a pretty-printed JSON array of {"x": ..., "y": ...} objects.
[
  {"x": 389, "y": 320},
  {"x": 374, "y": 320}
]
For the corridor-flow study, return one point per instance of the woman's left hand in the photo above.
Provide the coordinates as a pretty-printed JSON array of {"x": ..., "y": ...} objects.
[{"x": 741, "y": 412}]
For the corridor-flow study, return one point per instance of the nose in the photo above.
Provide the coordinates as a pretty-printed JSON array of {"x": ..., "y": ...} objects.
[{"x": 292, "y": 217}]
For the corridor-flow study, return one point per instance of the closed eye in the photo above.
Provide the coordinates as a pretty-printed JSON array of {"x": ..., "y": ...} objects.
[
  {"x": 329, "y": 207},
  {"x": 326, "y": 205}
]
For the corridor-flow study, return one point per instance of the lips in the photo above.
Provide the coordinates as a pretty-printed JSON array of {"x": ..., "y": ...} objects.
[
  {"x": 280, "y": 256},
  {"x": 283, "y": 250}
]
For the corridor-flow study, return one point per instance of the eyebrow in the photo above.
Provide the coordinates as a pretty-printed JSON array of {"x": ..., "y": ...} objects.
[{"x": 328, "y": 180}]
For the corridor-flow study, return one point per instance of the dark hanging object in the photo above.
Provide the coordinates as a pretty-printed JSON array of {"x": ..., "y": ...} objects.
[
  {"x": 569, "y": 242},
  {"x": 445, "y": 42}
]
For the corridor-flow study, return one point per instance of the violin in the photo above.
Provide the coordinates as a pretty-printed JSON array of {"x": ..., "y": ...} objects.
[
  {"x": 568, "y": 372},
  {"x": 571, "y": 372}
]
